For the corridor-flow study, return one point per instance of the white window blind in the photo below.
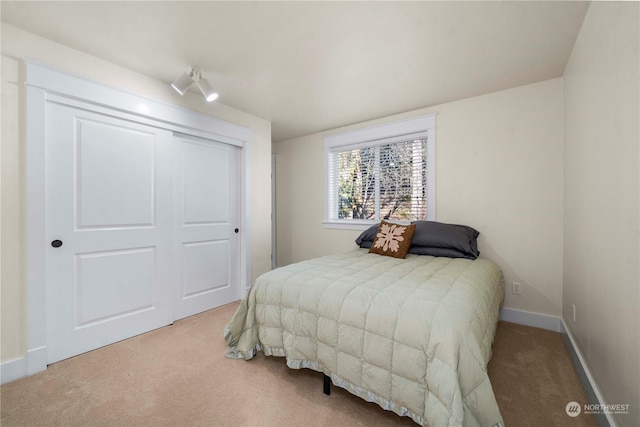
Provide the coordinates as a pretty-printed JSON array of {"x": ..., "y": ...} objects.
[
  {"x": 384, "y": 172},
  {"x": 386, "y": 181}
]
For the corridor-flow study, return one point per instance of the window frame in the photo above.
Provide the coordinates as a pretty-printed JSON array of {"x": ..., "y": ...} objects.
[{"x": 396, "y": 131}]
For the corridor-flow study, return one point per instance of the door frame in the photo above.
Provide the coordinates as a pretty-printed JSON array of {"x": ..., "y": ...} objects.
[{"x": 45, "y": 84}]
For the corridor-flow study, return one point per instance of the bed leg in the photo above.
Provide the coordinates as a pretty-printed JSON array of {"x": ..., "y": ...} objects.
[{"x": 327, "y": 385}]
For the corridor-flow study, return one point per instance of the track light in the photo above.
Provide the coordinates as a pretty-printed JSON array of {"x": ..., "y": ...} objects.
[
  {"x": 191, "y": 76},
  {"x": 182, "y": 83},
  {"x": 207, "y": 91}
]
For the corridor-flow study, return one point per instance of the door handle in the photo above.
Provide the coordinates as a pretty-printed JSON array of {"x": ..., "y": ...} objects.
[
  {"x": 236, "y": 231},
  {"x": 56, "y": 243}
]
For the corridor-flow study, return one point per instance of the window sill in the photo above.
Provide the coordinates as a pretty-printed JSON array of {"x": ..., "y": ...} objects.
[{"x": 360, "y": 225}]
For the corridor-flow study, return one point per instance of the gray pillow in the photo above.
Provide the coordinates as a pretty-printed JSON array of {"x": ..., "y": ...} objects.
[
  {"x": 450, "y": 236},
  {"x": 435, "y": 239},
  {"x": 366, "y": 238},
  {"x": 443, "y": 252}
]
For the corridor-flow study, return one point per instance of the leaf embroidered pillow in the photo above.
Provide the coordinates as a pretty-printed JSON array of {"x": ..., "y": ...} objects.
[{"x": 392, "y": 239}]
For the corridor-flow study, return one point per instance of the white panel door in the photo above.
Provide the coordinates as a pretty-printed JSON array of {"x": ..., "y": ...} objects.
[
  {"x": 109, "y": 229},
  {"x": 206, "y": 225}
]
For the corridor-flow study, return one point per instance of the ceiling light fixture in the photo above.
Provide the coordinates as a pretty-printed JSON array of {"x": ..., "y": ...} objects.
[
  {"x": 191, "y": 76},
  {"x": 207, "y": 91},
  {"x": 182, "y": 83}
]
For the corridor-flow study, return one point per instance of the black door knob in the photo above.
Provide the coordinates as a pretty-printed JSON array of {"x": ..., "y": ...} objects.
[
  {"x": 56, "y": 243},
  {"x": 236, "y": 231}
]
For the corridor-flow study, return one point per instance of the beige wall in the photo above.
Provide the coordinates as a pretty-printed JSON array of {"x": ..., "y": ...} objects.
[
  {"x": 601, "y": 208},
  {"x": 499, "y": 169},
  {"x": 17, "y": 44}
]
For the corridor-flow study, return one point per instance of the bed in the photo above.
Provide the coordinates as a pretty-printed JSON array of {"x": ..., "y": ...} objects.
[{"x": 412, "y": 334}]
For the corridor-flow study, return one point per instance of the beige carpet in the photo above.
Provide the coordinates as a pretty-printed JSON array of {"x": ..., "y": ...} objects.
[{"x": 178, "y": 376}]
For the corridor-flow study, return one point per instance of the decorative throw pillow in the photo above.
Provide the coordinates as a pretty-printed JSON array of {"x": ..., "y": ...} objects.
[{"x": 393, "y": 239}]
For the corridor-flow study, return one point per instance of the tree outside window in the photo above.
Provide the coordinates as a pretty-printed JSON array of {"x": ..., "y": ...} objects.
[{"x": 386, "y": 181}]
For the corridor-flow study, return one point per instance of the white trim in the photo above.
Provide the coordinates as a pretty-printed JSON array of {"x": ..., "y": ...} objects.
[
  {"x": 401, "y": 130},
  {"x": 35, "y": 361},
  {"x": 13, "y": 370},
  {"x": 55, "y": 81},
  {"x": 142, "y": 119},
  {"x": 346, "y": 224},
  {"x": 36, "y": 215},
  {"x": 274, "y": 225},
  {"x": 431, "y": 173},
  {"x": 44, "y": 84},
  {"x": 383, "y": 131},
  {"x": 529, "y": 318},
  {"x": 245, "y": 220},
  {"x": 587, "y": 372}
]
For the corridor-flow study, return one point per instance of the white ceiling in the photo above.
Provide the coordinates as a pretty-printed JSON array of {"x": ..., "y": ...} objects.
[{"x": 312, "y": 66}]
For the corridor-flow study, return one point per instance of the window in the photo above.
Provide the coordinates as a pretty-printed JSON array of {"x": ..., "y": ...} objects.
[{"x": 383, "y": 172}]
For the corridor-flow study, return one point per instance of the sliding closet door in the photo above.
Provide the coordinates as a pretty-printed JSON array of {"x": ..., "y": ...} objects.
[
  {"x": 206, "y": 225},
  {"x": 109, "y": 229}
]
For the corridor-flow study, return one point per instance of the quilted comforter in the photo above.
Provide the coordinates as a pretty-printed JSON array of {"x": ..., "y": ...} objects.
[{"x": 413, "y": 335}]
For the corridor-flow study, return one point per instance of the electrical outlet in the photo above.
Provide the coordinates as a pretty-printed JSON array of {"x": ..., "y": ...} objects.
[
  {"x": 515, "y": 288},
  {"x": 574, "y": 311}
]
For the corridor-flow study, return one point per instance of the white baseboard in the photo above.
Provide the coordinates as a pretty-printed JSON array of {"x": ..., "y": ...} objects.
[
  {"x": 591, "y": 387},
  {"x": 35, "y": 361},
  {"x": 529, "y": 318},
  {"x": 13, "y": 370}
]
